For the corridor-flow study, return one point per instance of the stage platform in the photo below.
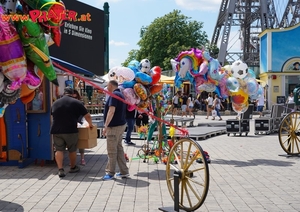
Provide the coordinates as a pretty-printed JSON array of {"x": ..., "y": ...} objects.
[{"x": 196, "y": 133}]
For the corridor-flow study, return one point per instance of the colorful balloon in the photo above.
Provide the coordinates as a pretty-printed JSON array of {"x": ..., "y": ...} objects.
[
  {"x": 12, "y": 57},
  {"x": 239, "y": 97},
  {"x": 155, "y": 74},
  {"x": 143, "y": 78},
  {"x": 239, "y": 69},
  {"x": 145, "y": 66},
  {"x": 36, "y": 48},
  {"x": 55, "y": 8},
  {"x": 121, "y": 74},
  {"x": 130, "y": 96},
  {"x": 155, "y": 88},
  {"x": 240, "y": 108},
  {"x": 252, "y": 86},
  {"x": 232, "y": 84},
  {"x": 140, "y": 91}
]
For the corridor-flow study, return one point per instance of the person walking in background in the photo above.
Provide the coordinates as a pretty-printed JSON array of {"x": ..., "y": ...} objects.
[
  {"x": 209, "y": 108},
  {"x": 77, "y": 96},
  {"x": 184, "y": 105},
  {"x": 290, "y": 98},
  {"x": 260, "y": 105},
  {"x": 175, "y": 103},
  {"x": 130, "y": 120},
  {"x": 65, "y": 112},
  {"x": 114, "y": 127},
  {"x": 217, "y": 105},
  {"x": 190, "y": 103}
]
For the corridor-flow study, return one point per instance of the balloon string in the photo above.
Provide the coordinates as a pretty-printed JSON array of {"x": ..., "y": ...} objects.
[{"x": 183, "y": 131}]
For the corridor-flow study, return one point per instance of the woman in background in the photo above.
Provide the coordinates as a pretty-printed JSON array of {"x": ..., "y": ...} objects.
[
  {"x": 209, "y": 108},
  {"x": 190, "y": 104}
]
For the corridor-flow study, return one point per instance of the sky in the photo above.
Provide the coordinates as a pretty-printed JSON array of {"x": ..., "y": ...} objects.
[{"x": 127, "y": 17}]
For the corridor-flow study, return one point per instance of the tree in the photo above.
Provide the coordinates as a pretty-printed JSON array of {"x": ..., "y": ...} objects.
[
  {"x": 132, "y": 55},
  {"x": 167, "y": 36}
]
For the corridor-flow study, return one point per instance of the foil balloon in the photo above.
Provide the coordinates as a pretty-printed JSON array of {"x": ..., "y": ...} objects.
[
  {"x": 251, "y": 74},
  {"x": 240, "y": 108},
  {"x": 36, "y": 48},
  {"x": 203, "y": 68},
  {"x": 155, "y": 74},
  {"x": 260, "y": 91},
  {"x": 155, "y": 88},
  {"x": 199, "y": 80},
  {"x": 174, "y": 65},
  {"x": 12, "y": 56},
  {"x": 223, "y": 88},
  {"x": 213, "y": 66},
  {"x": 239, "y": 69},
  {"x": 140, "y": 91},
  {"x": 58, "y": 11},
  {"x": 252, "y": 86},
  {"x": 143, "y": 104},
  {"x": 208, "y": 87},
  {"x": 145, "y": 66},
  {"x": 239, "y": 97},
  {"x": 134, "y": 65},
  {"x": 128, "y": 84},
  {"x": 130, "y": 96},
  {"x": 143, "y": 78},
  {"x": 130, "y": 107},
  {"x": 232, "y": 84},
  {"x": 121, "y": 74}
]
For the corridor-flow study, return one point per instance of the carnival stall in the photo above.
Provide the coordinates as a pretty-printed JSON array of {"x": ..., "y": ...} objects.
[{"x": 30, "y": 80}]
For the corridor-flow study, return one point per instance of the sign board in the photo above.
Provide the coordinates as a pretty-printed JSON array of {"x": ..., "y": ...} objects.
[
  {"x": 82, "y": 40},
  {"x": 280, "y": 100}
]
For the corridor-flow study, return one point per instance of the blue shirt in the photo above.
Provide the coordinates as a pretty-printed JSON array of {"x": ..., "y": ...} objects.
[{"x": 118, "y": 118}]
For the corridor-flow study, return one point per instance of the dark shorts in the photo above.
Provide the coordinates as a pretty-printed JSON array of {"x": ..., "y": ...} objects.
[
  {"x": 176, "y": 105},
  {"x": 62, "y": 141},
  {"x": 260, "y": 108},
  {"x": 210, "y": 106}
]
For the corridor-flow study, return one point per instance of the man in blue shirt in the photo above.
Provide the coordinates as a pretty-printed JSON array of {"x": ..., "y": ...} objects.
[{"x": 114, "y": 127}]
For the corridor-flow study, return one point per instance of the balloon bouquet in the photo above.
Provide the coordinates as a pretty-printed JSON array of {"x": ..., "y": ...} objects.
[
  {"x": 206, "y": 74},
  {"x": 138, "y": 82},
  {"x": 24, "y": 53}
]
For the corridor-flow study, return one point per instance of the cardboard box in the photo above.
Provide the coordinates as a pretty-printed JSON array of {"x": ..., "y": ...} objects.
[{"x": 87, "y": 138}]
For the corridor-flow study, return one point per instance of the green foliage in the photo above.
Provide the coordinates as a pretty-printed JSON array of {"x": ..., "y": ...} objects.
[
  {"x": 132, "y": 55},
  {"x": 166, "y": 37},
  {"x": 213, "y": 50}
]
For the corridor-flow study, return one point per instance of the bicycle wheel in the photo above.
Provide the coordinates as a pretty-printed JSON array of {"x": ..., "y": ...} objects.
[
  {"x": 289, "y": 132},
  {"x": 193, "y": 176}
]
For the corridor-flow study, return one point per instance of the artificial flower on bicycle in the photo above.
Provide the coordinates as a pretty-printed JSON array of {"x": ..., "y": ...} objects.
[{"x": 143, "y": 131}]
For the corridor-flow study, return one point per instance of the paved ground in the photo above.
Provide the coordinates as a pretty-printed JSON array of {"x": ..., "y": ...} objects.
[{"x": 246, "y": 174}]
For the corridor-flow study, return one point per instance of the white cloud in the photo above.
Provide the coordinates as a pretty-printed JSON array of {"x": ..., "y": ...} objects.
[
  {"x": 114, "y": 62},
  {"x": 117, "y": 43},
  {"x": 207, "y": 5}
]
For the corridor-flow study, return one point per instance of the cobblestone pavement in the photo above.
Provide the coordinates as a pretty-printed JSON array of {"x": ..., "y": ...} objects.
[{"x": 248, "y": 173}]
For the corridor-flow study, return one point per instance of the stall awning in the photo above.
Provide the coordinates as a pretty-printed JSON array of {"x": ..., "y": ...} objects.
[{"x": 73, "y": 68}]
